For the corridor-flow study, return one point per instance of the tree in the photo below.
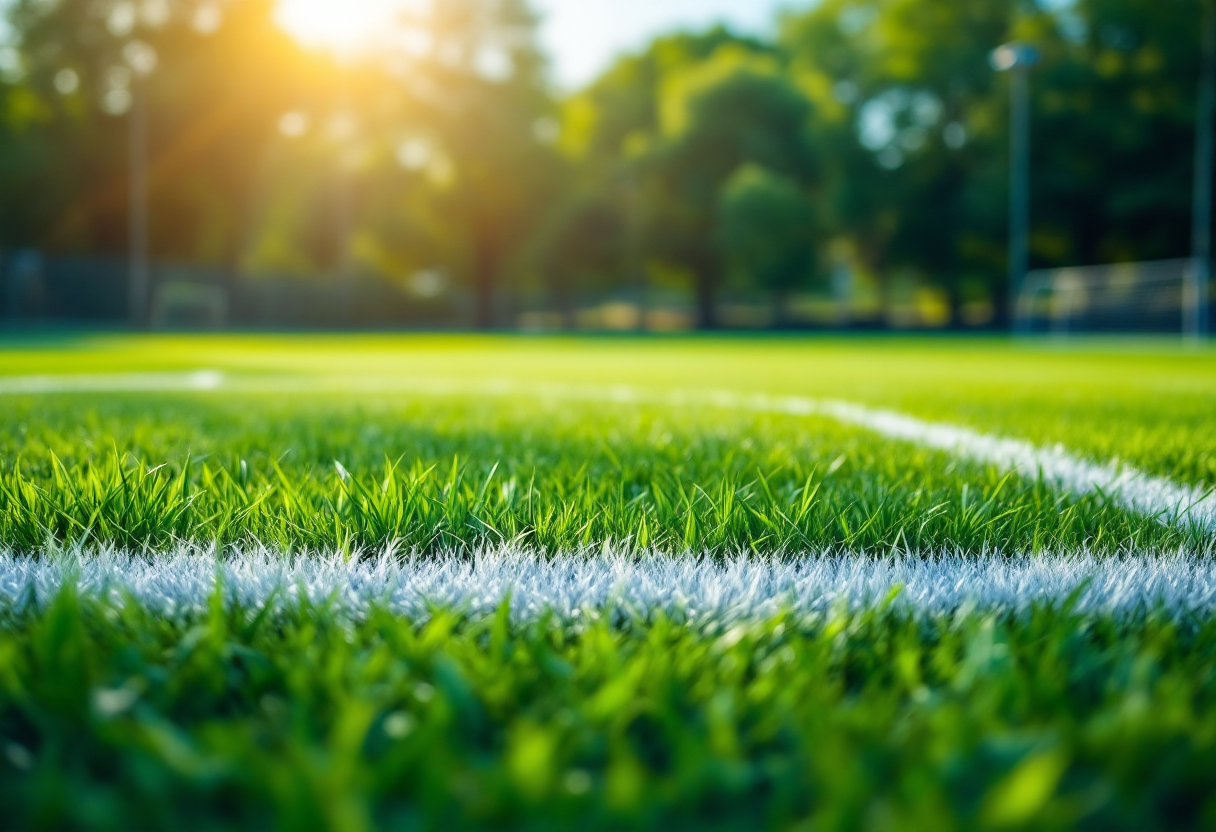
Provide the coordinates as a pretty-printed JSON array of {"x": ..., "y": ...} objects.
[
  {"x": 216, "y": 79},
  {"x": 734, "y": 109},
  {"x": 584, "y": 244},
  {"x": 441, "y": 150},
  {"x": 1114, "y": 127},
  {"x": 916, "y": 124},
  {"x": 481, "y": 93},
  {"x": 608, "y": 134},
  {"x": 766, "y": 231},
  {"x": 609, "y": 122}
]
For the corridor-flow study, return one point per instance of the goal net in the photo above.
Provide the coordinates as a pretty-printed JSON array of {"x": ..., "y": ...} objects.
[{"x": 1149, "y": 297}]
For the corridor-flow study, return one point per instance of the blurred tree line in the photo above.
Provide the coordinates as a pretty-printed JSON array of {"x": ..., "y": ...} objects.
[{"x": 867, "y": 138}]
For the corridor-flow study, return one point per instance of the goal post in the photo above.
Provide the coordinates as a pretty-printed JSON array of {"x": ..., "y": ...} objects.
[{"x": 1148, "y": 297}]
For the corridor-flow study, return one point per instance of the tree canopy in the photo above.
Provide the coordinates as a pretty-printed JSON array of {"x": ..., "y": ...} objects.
[{"x": 869, "y": 133}]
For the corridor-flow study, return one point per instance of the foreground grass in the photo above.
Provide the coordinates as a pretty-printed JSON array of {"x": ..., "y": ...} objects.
[{"x": 114, "y": 718}]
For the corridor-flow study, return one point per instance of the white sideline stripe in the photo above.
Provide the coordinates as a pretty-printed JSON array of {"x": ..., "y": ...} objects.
[
  {"x": 1169, "y": 502},
  {"x": 622, "y": 588},
  {"x": 200, "y": 380}
]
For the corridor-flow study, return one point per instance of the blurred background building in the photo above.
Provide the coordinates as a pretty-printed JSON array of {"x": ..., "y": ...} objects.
[{"x": 411, "y": 164}]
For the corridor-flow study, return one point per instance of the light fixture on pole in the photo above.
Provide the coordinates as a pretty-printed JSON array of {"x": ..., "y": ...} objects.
[{"x": 1017, "y": 59}]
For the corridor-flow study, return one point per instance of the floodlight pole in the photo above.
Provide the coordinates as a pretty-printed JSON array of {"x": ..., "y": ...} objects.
[
  {"x": 1019, "y": 188},
  {"x": 138, "y": 271},
  {"x": 1200, "y": 274},
  {"x": 1017, "y": 59}
]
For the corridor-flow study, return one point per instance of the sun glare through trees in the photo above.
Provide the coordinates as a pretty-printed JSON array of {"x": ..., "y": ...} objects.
[{"x": 344, "y": 26}]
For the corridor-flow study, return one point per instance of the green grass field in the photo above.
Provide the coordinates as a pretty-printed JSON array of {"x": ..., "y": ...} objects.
[{"x": 1079, "y": 693}]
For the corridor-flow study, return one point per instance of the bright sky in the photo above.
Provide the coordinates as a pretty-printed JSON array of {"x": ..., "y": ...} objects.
[{"x": 583, "y": 36}]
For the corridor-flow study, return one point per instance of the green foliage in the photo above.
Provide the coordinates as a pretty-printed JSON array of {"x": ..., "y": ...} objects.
[
  {"x": 766, "y": 229},
  {"x": 607, "y": 121},
  {"x": 919, "y": 144},
  {"x": 111, "y": 717},
  {"x": 885, "y": 114},
  {"x": 229, "y": 189},
  {"x": 209, "y": 102},
  {"x": 584, "y": 245},
  {"x": 734, "y": 109}
]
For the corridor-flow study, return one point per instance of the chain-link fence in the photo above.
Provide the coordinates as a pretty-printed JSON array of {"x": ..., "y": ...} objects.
[{"x": 64, "y": 290}]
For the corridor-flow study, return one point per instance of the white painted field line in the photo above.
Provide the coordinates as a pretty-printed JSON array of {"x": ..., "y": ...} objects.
[
  {"x": 1169, "y": 502},
  {"x": 200, "y": 380},
  {"x": 619, "y": 587}
]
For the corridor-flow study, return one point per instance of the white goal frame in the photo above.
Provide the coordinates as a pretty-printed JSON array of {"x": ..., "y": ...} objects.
[{"x": 1145, "y": 297}]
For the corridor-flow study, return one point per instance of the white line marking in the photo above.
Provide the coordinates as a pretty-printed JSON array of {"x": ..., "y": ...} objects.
[
  {"x": 1169, "y": 502},
  {"x": 200, "y": 380},
  {"x": 581, "y": 585}
]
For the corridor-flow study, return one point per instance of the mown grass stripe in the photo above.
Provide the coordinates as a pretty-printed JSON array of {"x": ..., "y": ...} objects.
[{"x": 584, "y": 585}]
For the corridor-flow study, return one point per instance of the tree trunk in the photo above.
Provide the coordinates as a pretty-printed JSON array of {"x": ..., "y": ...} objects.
[
  {"x": 563, "y": 302},
  {"x": 956, "y": 306},
  {"x": 1002, "y": 307},
  {"x": 485, "y": 268},
  {"x": 642, "y": 298},
  {"x": 781, "y": 318},
  {"x": 707, "y": 290}
]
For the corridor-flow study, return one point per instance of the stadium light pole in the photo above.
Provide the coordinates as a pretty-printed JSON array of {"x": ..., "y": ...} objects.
[
  {"x": 1016, "y": 59},
  {"x": 343, "y": 129},
  {"x": 142, "y": 59},
  {"x": 137, "y": 206},
  {"x": 1200, "y": 273}
]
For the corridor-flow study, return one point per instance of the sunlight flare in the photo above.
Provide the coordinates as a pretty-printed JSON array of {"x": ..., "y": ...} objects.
[{"x": 341, "y": 25}]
